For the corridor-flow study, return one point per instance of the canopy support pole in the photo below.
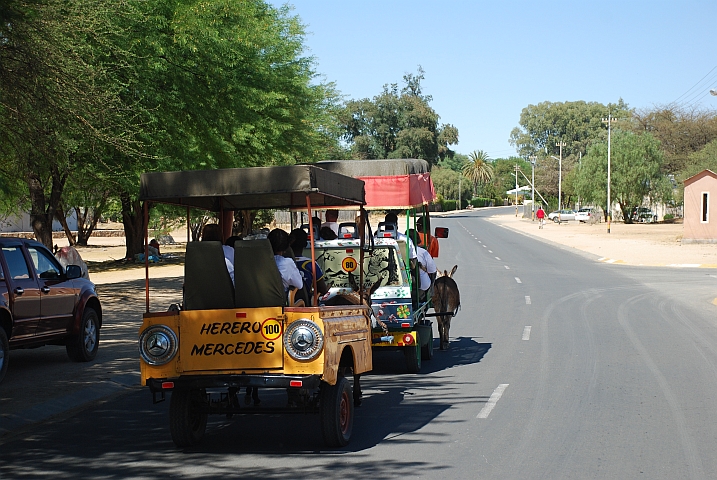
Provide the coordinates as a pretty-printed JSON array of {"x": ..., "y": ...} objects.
[
  {"x": 313, "y": 252},
  {"x": 145, "y": 214}
]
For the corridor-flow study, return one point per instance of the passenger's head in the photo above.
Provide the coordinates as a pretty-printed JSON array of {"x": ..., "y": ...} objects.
[
  {"x": 327, "y": 233},
  {"x": 279, "y": 240},
  {"x": 391, "y": 217},
  {"x": 414, "y": 236},
  {"x": 212, "y": 232},
  {"x": 332, "y": 215},
  {"x": 420, "y": 227},
  {"x": 232, "y": 240},
  {"x": 297, "y": 241},
  {"x": 154, "y": 243}
]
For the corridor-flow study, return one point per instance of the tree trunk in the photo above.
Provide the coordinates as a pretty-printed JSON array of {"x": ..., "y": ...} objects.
[
  {"x": 60, "y": 214},
  {"x": 40, "y": 220},
  {"x": 94, "y": 214},
  {"x": 133, "y": 221}
]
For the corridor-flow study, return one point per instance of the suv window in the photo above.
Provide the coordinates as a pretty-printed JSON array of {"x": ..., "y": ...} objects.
[
  {"x": 16, "y": 263},
  {"x": 46, "y": 267}
]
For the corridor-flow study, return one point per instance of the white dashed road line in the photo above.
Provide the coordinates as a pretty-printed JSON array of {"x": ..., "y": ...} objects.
[
  {"x": 507, "y": 267},
  {"x": 527, "y": 299},
  {"x": 518, "y": 280},
  {"x": 494, "y": 397},
  {"x": 526, "y": 332},
  {"x": 497, "y": 258}
]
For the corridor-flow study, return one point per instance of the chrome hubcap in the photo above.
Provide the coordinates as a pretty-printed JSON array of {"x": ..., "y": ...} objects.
[{"x": 90, "y": 336}]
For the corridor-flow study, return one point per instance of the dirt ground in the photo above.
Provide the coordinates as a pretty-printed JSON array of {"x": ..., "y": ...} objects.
[
  {"x": 650, "y": 244},
  {"x": 638, "y": 244}
]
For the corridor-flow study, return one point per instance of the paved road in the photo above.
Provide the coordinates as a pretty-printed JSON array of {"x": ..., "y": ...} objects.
[{"x": 560, "y": 367}]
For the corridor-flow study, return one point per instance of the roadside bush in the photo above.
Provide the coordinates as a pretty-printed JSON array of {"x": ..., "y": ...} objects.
[
  {"x": 669, "y": 216},
  {"x": 481, "y": 202},
  {"x": 449, "y": 205}
]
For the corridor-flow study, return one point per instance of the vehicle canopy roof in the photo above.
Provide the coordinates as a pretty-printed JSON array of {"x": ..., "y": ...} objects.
[
  {"x": 390, "y": 183},
  {"x": 252, "y": 188}
]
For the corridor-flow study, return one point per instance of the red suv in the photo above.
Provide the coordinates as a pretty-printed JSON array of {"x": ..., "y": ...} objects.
[{"x": 42, "y": 303}]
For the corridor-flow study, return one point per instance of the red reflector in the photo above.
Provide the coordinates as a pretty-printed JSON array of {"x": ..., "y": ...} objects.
[
  {"x": 167, "y": 385},
  {"x": 296, "y": 383},
  {"x": 241, "y": 314},
  {"x": 400, "y": 344},
  {"x": 405, "y": 325},
  {"x": 407, "y": 339},
  {"x": 349, "y": 250},
  {"x": 386, "y": 235},
  {"x": 347, "y": 235}
]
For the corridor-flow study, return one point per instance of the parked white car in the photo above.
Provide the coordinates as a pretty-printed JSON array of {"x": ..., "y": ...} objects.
[
  {"x": 588, "y": 215},
  {"x": 565, "y": 215}
]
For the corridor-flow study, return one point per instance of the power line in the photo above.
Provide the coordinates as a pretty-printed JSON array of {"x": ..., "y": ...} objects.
[{"x": 694, "y": 86}]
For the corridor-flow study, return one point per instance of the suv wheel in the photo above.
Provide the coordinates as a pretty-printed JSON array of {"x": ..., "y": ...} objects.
[
  {"x": 4, "y": 353},
  {"x": 83, "y": 346}
]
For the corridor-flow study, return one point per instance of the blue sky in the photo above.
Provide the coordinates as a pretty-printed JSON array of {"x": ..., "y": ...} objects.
[{"x": 485, "y": 61}]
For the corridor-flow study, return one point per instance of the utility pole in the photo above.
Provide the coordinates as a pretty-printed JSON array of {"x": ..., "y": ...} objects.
[
  {"x": 532, "y": 159},
  {"x": 460, "y": 178},
  {"x": 516, "y": 189},
  {"x": 560, "y": 180},
  {"x": 609, "y": 120}
]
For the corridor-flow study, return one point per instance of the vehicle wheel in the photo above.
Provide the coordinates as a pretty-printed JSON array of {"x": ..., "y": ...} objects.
[
  {"x": 556, "y": 220},
  {"x": 4, "y": 353},
  {"x": 83, "y": 346},
  {"x": 427, "y": 351},
  {"x": 337, "y": 413},
  {"x": 413, "y": 358},
  {"x": 187, "y": 423}
]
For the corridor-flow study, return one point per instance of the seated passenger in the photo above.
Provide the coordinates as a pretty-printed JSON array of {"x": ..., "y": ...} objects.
[
  {"x": 326, "y": 233},
  {"x": 290, "y": 276},
  {"x": 213, "y": 232},
  {"x": 426, "y": 269},
  {"x": 332, "y": 217},
  {"x": 429, "y": 242},
  {"x": 391, "y": 217},
  {"x": 298, "y": 238}
]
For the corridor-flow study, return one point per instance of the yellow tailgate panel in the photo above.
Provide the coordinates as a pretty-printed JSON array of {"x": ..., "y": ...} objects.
[{"x": 231, "y": 339}]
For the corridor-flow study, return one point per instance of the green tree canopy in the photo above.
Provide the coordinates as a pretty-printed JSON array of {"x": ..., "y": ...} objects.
[
  {"x": 575, "y": 123},
  {"x": 636, "y": 176},
  {"x": 447, "y": 183},
  {"x": 397, "y": 125},
  {"x": 478, "y": 169}
]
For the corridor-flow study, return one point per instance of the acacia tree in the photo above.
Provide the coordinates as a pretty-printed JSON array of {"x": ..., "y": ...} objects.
[
  {"x": 478, "y": 168},
  {"x": 397, "y": 124},
  {"x": 635, "y": 162},
  {"x": 58, "y": 65}
]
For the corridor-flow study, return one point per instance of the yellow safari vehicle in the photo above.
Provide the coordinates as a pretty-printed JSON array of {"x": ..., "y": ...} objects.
[{"x": 225, "y": 337}]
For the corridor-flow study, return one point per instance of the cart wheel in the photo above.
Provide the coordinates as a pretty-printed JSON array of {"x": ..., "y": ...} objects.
[
  {"x": 187, "y": 422},
  {"x": 427, "y": 351},
  {"x": 413, "y": 358},
  {"x": 337, "y": 413}
]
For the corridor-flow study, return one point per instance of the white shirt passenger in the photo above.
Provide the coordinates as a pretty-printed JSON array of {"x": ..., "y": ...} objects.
[
  {"x": 290, "y": 275},
  {"x": 229, "y": 260},
  {"x": 425, "y": 259},
  {"x": 332, "y": 225}
]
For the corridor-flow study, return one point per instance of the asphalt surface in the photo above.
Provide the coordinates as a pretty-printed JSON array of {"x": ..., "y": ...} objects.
[{"x": 560, "y": 367}]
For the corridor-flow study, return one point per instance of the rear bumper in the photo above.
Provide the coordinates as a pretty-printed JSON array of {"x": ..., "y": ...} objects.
[{"x": 236, "y": 381}]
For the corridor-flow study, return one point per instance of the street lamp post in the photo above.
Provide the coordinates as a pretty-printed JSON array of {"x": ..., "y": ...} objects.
[
  {"x": 533, "y": 159},
  {"x": 609, "y": 120},
  {"x": 560, "y": 180}
]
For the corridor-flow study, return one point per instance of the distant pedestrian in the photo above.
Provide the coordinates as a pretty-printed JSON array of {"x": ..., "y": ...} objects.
[{"x": 541, "y": 216}]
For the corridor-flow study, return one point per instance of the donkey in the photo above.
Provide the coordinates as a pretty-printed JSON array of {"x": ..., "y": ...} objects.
[
  {"x": 353, "y": 298},
  {"x": 446, "y": 299}
]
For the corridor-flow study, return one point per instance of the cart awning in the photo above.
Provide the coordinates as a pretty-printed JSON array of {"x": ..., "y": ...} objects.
[{"x": 252, "y": 188}]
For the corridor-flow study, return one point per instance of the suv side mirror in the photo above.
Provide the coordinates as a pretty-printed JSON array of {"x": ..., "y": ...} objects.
[
  {"x": 441, "y": 232},
  {"x": 73, "y": 271}
]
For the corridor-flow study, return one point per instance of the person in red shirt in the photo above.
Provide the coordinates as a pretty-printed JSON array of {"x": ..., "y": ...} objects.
[{"x": 541, "y": 216}]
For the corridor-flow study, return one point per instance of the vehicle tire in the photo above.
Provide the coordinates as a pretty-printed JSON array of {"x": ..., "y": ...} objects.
[
  {"x": 427, "y": 351},
  {"x": 556, "y": 220},
  {"x": 187, "y": 423},
  {"x": 83, "y": 346},
  {"x": 4, "y": 353},
  {"x": 337, "y": 413},
  {"x": 413, "y": 358}
]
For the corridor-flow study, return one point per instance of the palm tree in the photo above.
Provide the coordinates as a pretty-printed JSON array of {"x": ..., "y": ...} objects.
[{"x": 478, "y": 169}]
